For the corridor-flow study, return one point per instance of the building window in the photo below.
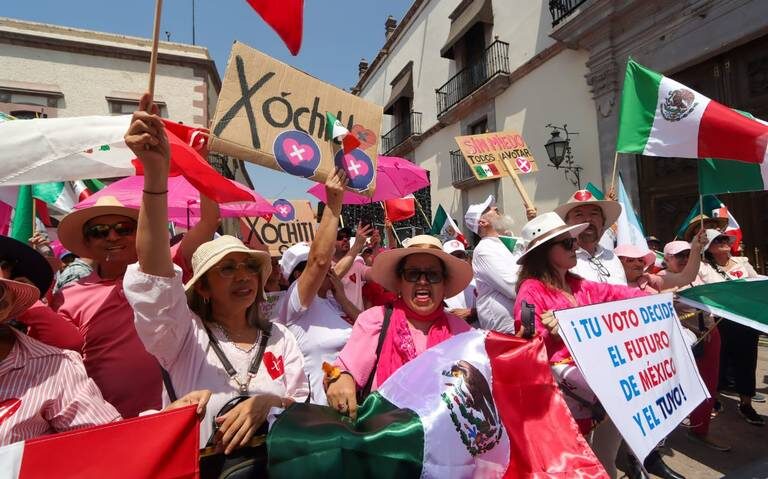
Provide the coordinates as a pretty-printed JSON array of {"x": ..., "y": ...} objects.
[
  {"x": 30, "y": 97},
  {"x": 123, "y": 106},
  {"x": 466, "y": 38},
  {"x": 479, "y": 127}
]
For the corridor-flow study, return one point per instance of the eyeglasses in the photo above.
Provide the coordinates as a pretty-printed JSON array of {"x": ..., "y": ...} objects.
[
  {"x": 414, "y": 275},
  {"x": 228, "y": 270},
  {"x": 599, "y": 267},
  {"x": 101, "y": 231},
  {"x": 567, "y": 243}
]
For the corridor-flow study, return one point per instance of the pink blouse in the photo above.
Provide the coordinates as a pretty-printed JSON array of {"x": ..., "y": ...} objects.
[
  {"x": 545, "y": 299},
  {"x": 359, "y": 354}
]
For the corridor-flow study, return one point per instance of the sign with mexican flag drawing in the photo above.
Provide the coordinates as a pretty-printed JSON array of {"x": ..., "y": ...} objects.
[{"x": 487, "y": 153}]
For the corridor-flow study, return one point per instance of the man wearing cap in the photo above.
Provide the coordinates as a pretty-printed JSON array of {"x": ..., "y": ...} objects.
[
  {"x": 593, "y": 261},
  {"x": 495, "y": 267},
  {"x": 463, "y": 304}
]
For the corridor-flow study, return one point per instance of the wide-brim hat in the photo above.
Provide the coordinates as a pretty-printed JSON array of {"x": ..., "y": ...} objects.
[
  {"x": 25, "y": 295},
  {"x": 611, "y": 209},
  {"x": 458, "y": 271},
  {"x": 713, "y": 234},
  {"x": 709, "y": 223},
  {"x": 545, "y": 227},
  {"x": 71, "y": 227},
  {"x": 29, "y": 263},
  {"x": 632, "y": 251},
  {"x": 208, "y": 254}
]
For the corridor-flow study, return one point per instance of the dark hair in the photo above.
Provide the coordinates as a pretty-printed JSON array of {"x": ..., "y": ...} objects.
[
  {"x": 299, "y": 268},
  {"x": 204, "y": 309},
  {"x": 536, "y": 266},
  {"x": 400, "y": 268}
]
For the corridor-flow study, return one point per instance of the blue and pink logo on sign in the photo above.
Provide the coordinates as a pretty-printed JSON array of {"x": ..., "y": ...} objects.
[
  {"x": 284, "y": 210},
  {"x": 358, "y": 166},
  {"x": 296, "y": 153}
]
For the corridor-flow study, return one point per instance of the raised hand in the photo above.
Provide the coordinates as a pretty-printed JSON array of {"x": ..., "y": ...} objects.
[{"x": 334, "y": 189}]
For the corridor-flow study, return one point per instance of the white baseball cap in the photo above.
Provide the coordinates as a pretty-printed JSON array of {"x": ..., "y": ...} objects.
[
  {"x": 292, "y": 257},
  {"x": 453, "y": 245},
  {"x": 472, "y": 217}
]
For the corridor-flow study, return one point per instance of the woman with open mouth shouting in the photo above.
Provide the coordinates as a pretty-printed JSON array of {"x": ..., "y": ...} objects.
[{"x": 384, "y": 338}]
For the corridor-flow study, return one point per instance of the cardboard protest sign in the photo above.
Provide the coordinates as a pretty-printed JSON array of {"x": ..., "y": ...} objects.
[
  {"x": 274, "y": 115},
  {"x": 293, "y": 222},
  {"x": 486, "y": 153},
  {"x": 633, "y": 355}
]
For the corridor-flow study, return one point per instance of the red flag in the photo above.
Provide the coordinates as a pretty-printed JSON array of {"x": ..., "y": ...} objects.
[
  {"x": 400, "y": 209},
  {"x": 164, "y": 445},
  {"x": 286, "y": 17}
]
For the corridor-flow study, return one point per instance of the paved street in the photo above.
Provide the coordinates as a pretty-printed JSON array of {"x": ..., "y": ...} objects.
[{"x": 749, "y": 443}]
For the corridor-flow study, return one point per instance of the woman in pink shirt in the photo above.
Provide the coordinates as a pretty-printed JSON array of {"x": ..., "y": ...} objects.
[
  {"x": 384, "y": 338},
  {"x": 546, "y": 283}
]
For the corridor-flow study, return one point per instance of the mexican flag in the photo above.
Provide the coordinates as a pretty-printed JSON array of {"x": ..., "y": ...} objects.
[
  {"x": 661, "y": 117},
  {"x": 163, "y": 445},
  {"x": 742, "y": 301},
  {"x": 67, "y": 149},
  {"x": 337, "y": 131},
  {"x": 63, "y": 196},
  {"x": 481, "y": 404},
  {"x": 487, "y": 171},
  {"x": 444, "y": 227},
  {"x": 285, "y": 17},
  {"x": 714, "y": 208},
  {"x": 629, "y": 230}
]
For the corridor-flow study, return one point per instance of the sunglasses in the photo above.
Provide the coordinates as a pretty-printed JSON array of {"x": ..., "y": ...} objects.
[
  {"x": 567, "y": 243},
  {"x": 228, "y": 270},
  {"x": 414, "y": 275},
  {"x": 101, "y": 231},
  {"x": 721, "y": 240}
]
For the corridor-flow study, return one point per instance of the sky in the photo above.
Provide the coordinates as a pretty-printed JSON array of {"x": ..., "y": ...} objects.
[{"x": 337, "y": 34}]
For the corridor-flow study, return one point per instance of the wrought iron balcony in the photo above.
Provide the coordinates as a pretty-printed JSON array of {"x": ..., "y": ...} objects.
[
  {"x": 404, "y": 130},
  {"x": 461, "y": 175},
  {"x": 221, "y": 164},
  {"x": 561, "y": 9},
  {"x": 495, "y": 60}
]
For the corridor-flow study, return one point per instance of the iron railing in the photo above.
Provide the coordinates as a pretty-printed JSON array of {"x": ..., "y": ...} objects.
[
  {"x": 495, "y": 60},
  {"x": 560, "y": 9},
  {"x": 460, "y": 172},
  {"x": 219, "y": 163},
  {"x": 410, "y": 126}
]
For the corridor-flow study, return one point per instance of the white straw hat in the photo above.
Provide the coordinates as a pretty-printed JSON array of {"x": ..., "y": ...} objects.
[
  {"x": 611, "y": 209},
  {"x": 545, "y": 227},
  {"x": 70, "y": 229},
  {"x": 211, "y": 252}
]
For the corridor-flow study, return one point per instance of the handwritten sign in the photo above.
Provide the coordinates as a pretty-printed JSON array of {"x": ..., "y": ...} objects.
[
  {"x": 273, "y": 115},
  {"x": 486, "y": 154},
  {"x": 293, "y": 222},
  {"x": 633, "y": 356}
]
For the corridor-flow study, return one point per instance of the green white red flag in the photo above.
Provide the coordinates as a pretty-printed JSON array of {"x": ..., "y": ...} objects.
[
  {"x": 738, "y": 300},
  {"x": 661, "y": 117},
  {"x": 713, "y": 208},
  {"x": 161, "y": 446},
  {"x": 444, "y": 227},
  {"x": 481, "y": 404}
]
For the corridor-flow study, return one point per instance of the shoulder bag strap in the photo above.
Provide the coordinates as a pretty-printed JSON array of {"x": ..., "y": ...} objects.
[
  {"x": 255, "y": 363},
  {"x": 382, "y": 335},
  {"x": 168, "y": 383}
]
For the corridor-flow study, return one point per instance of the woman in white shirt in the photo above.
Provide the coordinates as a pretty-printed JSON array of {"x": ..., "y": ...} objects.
[{"x": 206, "y": 333}]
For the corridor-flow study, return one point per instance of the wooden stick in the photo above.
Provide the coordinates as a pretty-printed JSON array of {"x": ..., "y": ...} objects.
[
  {"x": 613, "y": 175},
  {"x": 707, "y": 333},
  {"x": 701, "y": 214},
  {"x": 155, "y": 44},
  {"x": 519, "y": 185},
  {"x": 418, "y": 205}
]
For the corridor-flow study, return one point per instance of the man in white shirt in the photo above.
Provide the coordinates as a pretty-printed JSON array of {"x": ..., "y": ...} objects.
[
  {"x": 593, "y": 261},
  {"x": 495, "y": 267}
]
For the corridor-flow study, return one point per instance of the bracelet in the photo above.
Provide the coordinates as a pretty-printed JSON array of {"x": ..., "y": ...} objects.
[
  {"x": 332, "y": 372},
  {"x": 155, "y": 192}
]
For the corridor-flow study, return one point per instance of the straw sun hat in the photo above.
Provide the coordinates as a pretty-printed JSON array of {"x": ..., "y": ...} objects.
[
  {"x": 611, "y": 209},
  {"x": 544, "y": 228},
  {"x": 71, "y": 226},
  {"x": 24, "y": 296},
  {"x": 210, "y": 253},
  {"x": 28, "y": 263},
  {"x": 458, "y": 272}
]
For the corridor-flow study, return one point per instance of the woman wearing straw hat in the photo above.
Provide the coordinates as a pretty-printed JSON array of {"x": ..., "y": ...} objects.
[
  {"x": 384, "y": 338},
  {"x": 546, "y": 283},
  {"x": 738, "y": 352},
  {"x": 207, "y": 333}
]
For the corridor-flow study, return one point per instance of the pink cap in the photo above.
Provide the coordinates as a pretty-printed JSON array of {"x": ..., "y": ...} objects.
[
  {"x": 632, "y": 251},
  {"x": 674, "y": 247}
]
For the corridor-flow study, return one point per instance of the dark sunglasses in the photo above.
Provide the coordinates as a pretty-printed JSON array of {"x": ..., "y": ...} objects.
[
  {"x": 414, "y": 275},
  {"x": 101, "y": 231},
  {"x": 228, "y": 270},
  {"x": 567, "y": 243}
]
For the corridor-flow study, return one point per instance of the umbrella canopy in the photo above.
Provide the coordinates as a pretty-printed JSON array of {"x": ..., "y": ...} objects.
[
  {"x": 182, "y": 197},
  {"x": 395, "y": 178}
]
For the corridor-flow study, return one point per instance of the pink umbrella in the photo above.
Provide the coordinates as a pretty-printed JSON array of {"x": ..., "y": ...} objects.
[
  {"x": 395, "y": 178},
  {"x": 183, "y": 199}
]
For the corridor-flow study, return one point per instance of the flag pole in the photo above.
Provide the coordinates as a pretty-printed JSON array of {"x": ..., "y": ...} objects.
[
  {"x": 429, "y": 223},
  {"x": 613, "y": 175},
  {"x": 519, "y": 185},
  {"x": 394, "y": 230},
  {"x": 155, "y": 43},
  {"x": 701, "y": 212}
]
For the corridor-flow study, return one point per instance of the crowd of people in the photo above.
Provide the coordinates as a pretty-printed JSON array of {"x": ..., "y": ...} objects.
[{"x": 129, "y": 325}]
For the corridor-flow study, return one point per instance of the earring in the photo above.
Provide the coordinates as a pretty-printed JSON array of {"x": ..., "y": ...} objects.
[
  {"x": 399, "y": 295},
  {"x": 206, "y": 300}
]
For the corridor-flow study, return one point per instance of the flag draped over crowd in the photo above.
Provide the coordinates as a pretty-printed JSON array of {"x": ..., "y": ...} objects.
[{"x": 738, "y": 300}]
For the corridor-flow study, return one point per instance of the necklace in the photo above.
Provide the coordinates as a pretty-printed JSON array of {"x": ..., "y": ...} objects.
[{"x": 228, "y": 338}]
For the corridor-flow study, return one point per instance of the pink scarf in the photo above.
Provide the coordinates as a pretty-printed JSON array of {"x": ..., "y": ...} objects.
[{"x": 398, "y": 347}]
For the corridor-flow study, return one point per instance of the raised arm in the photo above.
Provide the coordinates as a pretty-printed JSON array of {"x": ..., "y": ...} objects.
[
  {"x": 324, "y": 244},
  {"x": 688, "y": 274},
  {"x": 146, "y": 138},
  {"x": 203, "y": 231},
  {"x": 341, "y": 268},
  {"x": 389, "y": 234}
]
